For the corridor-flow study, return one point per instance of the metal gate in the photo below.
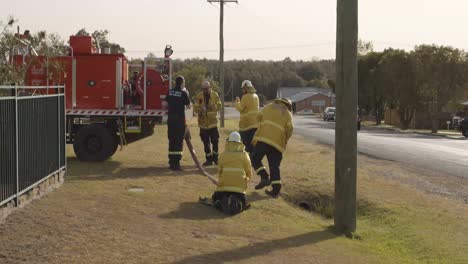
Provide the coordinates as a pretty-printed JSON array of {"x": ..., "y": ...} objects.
[{"x": 32, "y": 137}]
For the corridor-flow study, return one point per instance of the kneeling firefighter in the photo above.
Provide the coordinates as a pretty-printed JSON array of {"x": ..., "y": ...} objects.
[
  {"x": 248, "y": 108},
  {"x": 275, "y": 129},
  {"x": 207, "y": 105},
  {"x": 234, "y": 170}
]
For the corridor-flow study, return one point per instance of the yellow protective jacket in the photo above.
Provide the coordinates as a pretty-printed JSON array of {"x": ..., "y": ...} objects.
[
  {"x": 275, "y": 126},
  {"x": 207, "y": 112},
  {"x": 248, "y": 108},
  {"x": 234, "y": 169}
]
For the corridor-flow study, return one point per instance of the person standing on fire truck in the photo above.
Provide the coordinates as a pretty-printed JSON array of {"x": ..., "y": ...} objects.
[
  {"x": 207, "y": 105},
  {"x": 248, "y": 107},
  {"x": 177, "y": 99},
  {"x": 133, "y": 89}
]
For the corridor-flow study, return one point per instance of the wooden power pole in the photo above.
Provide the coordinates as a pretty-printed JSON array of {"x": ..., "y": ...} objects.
[
  {"x": 221, "y": 53},
  {"x": 346, "y": 116}
]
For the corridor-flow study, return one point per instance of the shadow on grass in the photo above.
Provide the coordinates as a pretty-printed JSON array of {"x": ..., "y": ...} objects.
[
  {"x": 199, "y": 211},
  {"x": 110, "y": 170},
  {"x": 255, "y": 197},
  {"x": 194, "y": 211},
  {"x": 262, "y": 248}
]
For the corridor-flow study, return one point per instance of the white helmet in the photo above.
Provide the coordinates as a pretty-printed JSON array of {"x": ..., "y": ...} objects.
[
  {"x": 246, "y": 84},
  {"x": 206, "y": 84},
  {"x": 234, "y": 137}
]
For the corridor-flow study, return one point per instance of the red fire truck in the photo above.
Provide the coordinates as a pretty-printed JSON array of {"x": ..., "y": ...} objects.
[{"x": 105, "y": 107}]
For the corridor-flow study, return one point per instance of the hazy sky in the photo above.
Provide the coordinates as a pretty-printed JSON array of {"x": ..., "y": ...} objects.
[{"x": 257, "y": 29}]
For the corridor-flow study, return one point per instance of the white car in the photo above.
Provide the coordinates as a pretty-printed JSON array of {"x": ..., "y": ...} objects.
[
  {"x": 305, "y": 112},
  {"x": 329, "y": 114}
]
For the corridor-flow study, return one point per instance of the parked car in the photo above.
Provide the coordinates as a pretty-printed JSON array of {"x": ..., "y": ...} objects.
[
  {"x": 329, "y": 114},
  {"x": 456, "y": 122},
  {"x": 464, "y": 127},
  {"x": 305, "y": 112}
]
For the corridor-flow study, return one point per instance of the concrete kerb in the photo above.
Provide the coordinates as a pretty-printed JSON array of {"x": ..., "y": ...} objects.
[
  {"x": 393, "y": 129},
  {"x": 42, "y": 189}
]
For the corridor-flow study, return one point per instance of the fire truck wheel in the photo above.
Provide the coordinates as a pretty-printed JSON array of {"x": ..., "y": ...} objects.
[{"x": 95, "y": 143}]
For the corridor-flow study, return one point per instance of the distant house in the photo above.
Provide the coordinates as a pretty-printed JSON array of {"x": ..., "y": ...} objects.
[
  {"x": 286, "y": 92},
  {"x": 312, "y": 100},
  {"x": 316, "y": 99}
]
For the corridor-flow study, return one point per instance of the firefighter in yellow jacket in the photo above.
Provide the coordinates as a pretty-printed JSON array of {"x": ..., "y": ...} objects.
[
  {"x": 234, "y": 170},
  {"x": 248, "y": 107},
  {"x": 275, "y": 129},
  {"x": 207, "y": 105}
]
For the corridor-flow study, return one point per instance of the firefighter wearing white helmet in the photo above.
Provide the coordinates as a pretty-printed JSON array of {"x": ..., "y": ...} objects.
[
  {"x": 234, "y": 170},
  {"x": 207, "y": 105},
  {"x": 248, "y": 107},
  {"x": 275, "y": 129}
]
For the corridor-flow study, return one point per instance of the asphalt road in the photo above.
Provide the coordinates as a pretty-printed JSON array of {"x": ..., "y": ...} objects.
[
  {"x": 231, "y": 112},
  {"x": 444, "y": 155}
]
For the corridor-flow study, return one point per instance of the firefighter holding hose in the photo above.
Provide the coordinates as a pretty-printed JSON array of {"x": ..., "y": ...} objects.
[
  {"x": 207, "y": 105},
  {"x": 177, "y": 99}
]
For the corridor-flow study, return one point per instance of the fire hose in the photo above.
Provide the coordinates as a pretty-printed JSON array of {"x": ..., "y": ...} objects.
[{"x": 195, "y": 158}]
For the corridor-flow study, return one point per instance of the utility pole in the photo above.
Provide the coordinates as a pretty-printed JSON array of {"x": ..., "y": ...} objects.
[
  {"x": 346, "y": 116},
  {"x": 221, "y": 52}
]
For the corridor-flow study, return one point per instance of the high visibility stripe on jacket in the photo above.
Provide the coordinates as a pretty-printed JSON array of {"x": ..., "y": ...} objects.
[
  {"x": 207, "y": 118},
  {"x": 248, "y": 109},
  {"x": 275, "y": 126},
  {"x": 234, "y": 169}
]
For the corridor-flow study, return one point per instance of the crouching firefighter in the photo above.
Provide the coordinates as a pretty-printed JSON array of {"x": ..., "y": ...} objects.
[
  {"x": 275, "y": 129},
  {"x": 177, "y": 99},
  {"x": 207, "y": 105},
  {"x": 234, "y": 170}
]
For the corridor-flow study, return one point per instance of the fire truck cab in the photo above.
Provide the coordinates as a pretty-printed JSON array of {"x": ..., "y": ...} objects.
[{"x": 105, "y": 105}]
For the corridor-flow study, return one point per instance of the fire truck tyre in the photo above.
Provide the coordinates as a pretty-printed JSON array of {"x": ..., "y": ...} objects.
[{"x": 95, "y": 143}]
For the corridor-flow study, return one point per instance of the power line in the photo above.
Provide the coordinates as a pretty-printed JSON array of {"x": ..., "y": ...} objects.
[
  {"x": 311, "y": 45},
  {"x": 246, "y": 49}
]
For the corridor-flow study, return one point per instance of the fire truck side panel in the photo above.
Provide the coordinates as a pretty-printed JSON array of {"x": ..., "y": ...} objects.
[
  {"x": 36, "y": 74},
  {"x": 96, "y": 85}
]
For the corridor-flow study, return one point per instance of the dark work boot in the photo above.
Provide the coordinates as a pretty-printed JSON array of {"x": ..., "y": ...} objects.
[
  {"x": 264, "y": 182},
  {"x": 209, "y": 160},
  {"x": 175, "y": 166},
  {"x": 215, "y": 158},
  {"x": 275, "y": 190}
]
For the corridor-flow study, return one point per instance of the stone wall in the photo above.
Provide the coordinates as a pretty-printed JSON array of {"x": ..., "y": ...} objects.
[{"x": 43, "y": 188}]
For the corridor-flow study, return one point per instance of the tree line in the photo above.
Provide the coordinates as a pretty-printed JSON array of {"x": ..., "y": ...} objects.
[
  {"x": 266, "y": 76},
  {"x": 429, "y": 79}
]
